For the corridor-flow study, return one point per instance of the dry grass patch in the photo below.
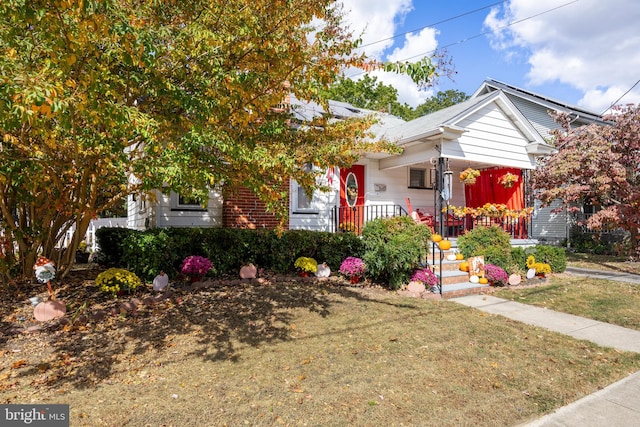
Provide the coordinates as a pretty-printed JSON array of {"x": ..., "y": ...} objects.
[
  {"x": 603, "y": 300},
  {"x": 304, "y": 354}
]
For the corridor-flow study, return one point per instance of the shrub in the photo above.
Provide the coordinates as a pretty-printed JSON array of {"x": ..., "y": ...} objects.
[
  {"x": 111, "y": 241},
  {"x": 495, "y": 275},
  {"x": 394, "y": 248},
  {"x": 555, "y": 256},
  {"x": 114, "y": 280},
  {"x": 148, "y": 252},
  {"x": 518, "y": 258},
  {"x": 425, "y": 276},
  {"x": 493, "y": 243},
  {"x": 352, "y": 266}
]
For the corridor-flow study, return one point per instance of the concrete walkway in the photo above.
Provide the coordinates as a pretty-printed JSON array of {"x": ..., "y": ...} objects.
[
  {"x": 605, "y": 275},
  {"x": 617, "y": 405}
]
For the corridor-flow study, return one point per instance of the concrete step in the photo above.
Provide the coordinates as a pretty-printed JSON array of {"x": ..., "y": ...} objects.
[
  {"x": 460, "y": 289},
  {"x": 453, "y": 276},
  {"x": 446, "y": 265}
]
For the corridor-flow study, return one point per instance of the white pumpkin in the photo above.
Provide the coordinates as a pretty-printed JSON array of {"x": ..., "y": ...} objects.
[
  {"x": 323, "y": 270},
  {"x": 474, "y": 279},
  {"x": 161, "y": 281},
  {"x": 451, "y": 257}
]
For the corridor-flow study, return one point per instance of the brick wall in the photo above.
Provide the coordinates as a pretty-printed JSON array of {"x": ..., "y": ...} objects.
[{"x": 243, "y": 209}]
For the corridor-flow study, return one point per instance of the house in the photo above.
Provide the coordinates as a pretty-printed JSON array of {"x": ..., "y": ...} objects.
[
  {"x": 546, "y": 226},
  {"x": 486, "y": 133},
  {"x": 499, "y": 129}
]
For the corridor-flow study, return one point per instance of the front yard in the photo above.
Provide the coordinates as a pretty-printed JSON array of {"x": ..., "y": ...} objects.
[{"x": 296, "y": 353}]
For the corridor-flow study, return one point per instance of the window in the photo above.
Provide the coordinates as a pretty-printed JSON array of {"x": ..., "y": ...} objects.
[
  {"x": 420, "y": 178},
  {"x": 299, "y": 200},
  {"x": 185, "y": 203}
]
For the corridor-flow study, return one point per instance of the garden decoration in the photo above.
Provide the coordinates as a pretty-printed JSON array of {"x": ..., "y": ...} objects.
[
  {"x": 45, "y": 272},
  {"x": 515, "y": 279},
  {"x": 306, "y": 265},
  {"x": 161, "y": 281},
  {"x": 444, "y": 245},
  {"x": 248, "y": 271},
  {"x": 353, "y": 268},
  {"x": 508, "y": 180},
  {"x": 323, "y": 270},
  {"x": 469, "y": 175},
  {"x": 491, "y": 210},
  {"x": 195, "y": 267},
  {"x": 47, "y": 310},
  {"x": 476, "y": 266}
]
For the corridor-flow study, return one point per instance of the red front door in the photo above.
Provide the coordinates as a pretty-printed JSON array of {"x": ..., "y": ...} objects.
[{"x": 352, "y": 199}]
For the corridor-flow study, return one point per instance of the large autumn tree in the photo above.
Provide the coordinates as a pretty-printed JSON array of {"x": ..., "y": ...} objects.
[
  {"x": 102, "y": 98},
  {"x": 597, "y": 164}
]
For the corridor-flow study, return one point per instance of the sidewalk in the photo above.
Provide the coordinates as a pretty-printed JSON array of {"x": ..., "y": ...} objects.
[
  {"x": 617, "y": 405},
  {"x": 605, "y": 275}
]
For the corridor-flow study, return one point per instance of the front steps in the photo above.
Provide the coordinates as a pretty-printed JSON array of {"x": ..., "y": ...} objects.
[{"x": 455, "y": 283}]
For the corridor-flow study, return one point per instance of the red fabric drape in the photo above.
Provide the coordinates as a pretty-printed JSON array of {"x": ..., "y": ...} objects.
[{"x": 487, "y": 189}]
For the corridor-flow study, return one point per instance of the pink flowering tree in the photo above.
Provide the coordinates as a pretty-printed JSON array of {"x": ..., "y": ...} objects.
[{"x": 597, "y": 164}]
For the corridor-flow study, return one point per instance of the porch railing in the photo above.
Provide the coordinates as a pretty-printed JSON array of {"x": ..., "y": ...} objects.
[{"x": 354, "y": 218}]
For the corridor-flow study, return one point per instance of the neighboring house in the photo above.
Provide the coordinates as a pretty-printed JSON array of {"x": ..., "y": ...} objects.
[
  {"x": 500, "y": 129},
  {"x": 547, "y": 226}
]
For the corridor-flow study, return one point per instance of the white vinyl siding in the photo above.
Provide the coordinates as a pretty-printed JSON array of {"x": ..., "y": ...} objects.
[
  {"x": 491, "y": 137},
  {"x": 169, "y": 213}
]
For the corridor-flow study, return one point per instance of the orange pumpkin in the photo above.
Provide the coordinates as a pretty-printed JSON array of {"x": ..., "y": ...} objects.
[
  {"x": 464, "y": 266},
  {"x": 444, "y": 245},
  {"x": 483, "y": 280},
  {"x": 459, "y": 256},
  {"x": 436, "y": 237}
]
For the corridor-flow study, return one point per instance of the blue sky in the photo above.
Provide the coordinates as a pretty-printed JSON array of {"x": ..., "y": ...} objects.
[{"x": 583, "y": 52}]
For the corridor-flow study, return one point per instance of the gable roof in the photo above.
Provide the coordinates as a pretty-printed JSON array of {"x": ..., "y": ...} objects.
[
  {"x": 583, "y": 115},
  {"x": 444, "y": 123}
]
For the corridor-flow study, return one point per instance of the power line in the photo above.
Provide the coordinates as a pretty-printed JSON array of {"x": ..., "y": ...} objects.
[
  {"x": 484, "y": 33},
  {"x": 434, "y": 24},
  {"x": 621, "y": 96}
]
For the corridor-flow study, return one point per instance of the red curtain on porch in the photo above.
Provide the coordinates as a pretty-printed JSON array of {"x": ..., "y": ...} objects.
[{"x": 487, "y": 189}]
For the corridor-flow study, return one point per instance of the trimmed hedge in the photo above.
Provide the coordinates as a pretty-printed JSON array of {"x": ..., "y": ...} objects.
[{"x": 147, "y": 252}]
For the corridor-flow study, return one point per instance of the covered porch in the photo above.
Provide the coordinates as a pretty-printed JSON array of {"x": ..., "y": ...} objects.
[
  {"x": 486, "y": 203},
  {"x": 461, "y": 167}
]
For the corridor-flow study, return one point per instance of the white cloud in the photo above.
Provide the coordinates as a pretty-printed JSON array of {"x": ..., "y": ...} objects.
[
  {"x": 375, "y": 21},
  {"x": 590, "y": 45},
  {"x": 378, "y": 21}
]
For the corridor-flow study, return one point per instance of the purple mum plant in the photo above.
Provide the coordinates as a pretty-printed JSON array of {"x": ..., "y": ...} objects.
[
  {"x": 426, "y": 276},
  {"x": 495, "y": 275},
  {"x": 352, "y": 266},
  {"x": 195, "y": 265}
]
